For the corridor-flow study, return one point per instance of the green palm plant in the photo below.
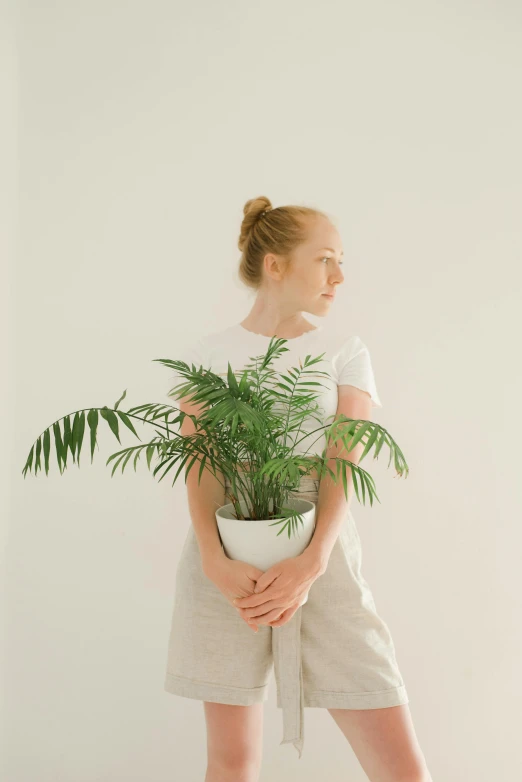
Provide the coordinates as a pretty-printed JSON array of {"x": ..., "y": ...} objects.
[{"x": 249, "y": 421}]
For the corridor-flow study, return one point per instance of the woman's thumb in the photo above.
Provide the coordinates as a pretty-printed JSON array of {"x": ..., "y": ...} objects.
[{"x": 255, "y": 574}]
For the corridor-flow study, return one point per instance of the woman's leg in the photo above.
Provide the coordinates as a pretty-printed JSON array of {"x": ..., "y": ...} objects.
[
  {"x": 385, "y": 743},
  {"x": 234, "y": 742}
]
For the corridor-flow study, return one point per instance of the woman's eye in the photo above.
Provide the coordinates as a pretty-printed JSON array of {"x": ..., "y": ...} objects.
[{"x": 327, "y": 258}]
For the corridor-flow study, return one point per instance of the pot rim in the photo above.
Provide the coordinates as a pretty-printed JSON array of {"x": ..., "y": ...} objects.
[{"x": 298, "y": 503}]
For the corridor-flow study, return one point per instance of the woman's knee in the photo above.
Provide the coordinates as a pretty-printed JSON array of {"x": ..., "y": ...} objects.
[{"x": 235, "y": 739}]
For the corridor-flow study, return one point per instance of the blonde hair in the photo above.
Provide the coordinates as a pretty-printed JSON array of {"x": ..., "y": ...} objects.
[{"x": 267, "y": 230}]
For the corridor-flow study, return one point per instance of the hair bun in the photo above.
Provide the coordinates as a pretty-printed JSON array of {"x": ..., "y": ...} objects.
[{"x": 257, "y": 237}]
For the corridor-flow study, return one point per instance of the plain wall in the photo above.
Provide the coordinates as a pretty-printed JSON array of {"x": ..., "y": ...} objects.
[
  {"x": 8, "y": 219},
  {"x": 142, "y": 130}
]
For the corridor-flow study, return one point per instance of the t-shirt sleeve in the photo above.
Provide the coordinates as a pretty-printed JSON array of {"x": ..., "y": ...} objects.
[
  {"x": 193, "y": 353},
  {"x": 354, "y": 368}
]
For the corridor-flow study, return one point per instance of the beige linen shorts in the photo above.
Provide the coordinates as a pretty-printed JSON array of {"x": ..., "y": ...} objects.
[{"x": 335, "y": 652}]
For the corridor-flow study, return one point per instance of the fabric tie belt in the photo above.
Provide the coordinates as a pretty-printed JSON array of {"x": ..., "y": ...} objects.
[{"x": 287, "y": 652}]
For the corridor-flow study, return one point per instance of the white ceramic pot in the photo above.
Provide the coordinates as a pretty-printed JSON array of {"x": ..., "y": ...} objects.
[{"x": 255, "y": 541}]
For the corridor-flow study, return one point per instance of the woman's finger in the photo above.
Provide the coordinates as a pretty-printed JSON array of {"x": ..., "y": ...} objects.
[
  {"x": 285, "y": 616},
  {"x": 261, "y": 611}
]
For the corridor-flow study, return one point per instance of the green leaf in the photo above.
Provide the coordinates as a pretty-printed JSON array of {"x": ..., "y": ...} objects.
[
  {"x": 29, "y": 462},
  {"x": 373, "y": 436},
  {"x": 122, "y": 397},
  {"x": 92, "y": 420},
  {"x": 59, "y": 446},
  {"x": 150, "y": 453},
  {"x": 79, "y": 434},
  {"x": 112, "y": 420},
  {"x": 67, "y": 437},
  {"x": 47, "y": 449},
  {"x": 37, "y": 465},
  {"x": 354, "y": 480}
]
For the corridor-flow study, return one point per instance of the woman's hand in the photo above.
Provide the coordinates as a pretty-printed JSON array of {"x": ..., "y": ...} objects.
[
  {"x": 233, "y": 578},
  {"x": 280, "y": 591}
]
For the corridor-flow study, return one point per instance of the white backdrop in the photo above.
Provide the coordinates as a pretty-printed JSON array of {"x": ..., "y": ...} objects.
[{"x": 142, "y": 130}]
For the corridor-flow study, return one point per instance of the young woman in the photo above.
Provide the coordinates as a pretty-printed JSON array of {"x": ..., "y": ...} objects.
[{"x": 231, "y": 622}]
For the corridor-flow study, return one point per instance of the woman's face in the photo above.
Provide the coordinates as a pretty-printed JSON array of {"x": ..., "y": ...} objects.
[{"x": 314, "y": 270}]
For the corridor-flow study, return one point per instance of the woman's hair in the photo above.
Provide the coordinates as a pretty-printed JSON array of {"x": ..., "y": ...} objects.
[{"x": 267, "y": 230}]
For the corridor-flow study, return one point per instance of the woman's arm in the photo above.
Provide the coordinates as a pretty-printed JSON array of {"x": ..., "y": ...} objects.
[
  {"x": 331, "y": 503},
  {"x": 204, "y": 498}
]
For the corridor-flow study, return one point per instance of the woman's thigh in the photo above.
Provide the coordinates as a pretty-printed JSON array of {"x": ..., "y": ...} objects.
[
  {"x": 385, "y": 742},
  {"x": 234, "y": 736}
]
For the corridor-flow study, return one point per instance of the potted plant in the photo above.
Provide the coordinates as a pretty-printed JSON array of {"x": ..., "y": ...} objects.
[{"x": 247, "y": 421}]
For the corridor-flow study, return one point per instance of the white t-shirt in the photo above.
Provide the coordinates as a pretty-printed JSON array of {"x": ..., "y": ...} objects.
[{"x": 346, "y": 360}]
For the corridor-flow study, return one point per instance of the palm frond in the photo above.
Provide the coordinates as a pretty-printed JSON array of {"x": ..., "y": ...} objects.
[{"x": 251, "y": 417}]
